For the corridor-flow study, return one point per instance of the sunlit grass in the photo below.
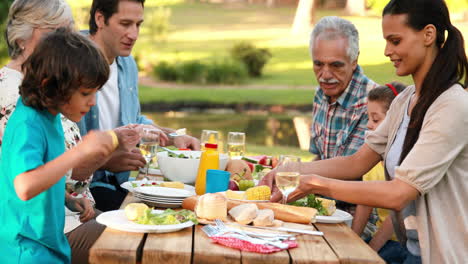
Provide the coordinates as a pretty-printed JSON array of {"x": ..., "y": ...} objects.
[{"x": 204, "y": 31}]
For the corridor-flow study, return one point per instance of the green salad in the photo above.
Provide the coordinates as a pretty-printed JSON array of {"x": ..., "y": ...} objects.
[
  {"x": 181, "y": 156},
  {"x": 168, "y": 217},
  {"x": 311, "y": 201}
]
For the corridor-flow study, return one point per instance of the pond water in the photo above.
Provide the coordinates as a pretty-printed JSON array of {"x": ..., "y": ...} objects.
[{"x": 260, "y": 129}]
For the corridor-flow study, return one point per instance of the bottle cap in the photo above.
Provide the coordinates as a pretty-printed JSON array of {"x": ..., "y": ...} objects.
[{"x": 211, "y": 145}]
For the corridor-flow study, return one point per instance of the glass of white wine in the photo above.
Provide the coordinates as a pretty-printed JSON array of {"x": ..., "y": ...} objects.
[
  {"x": 149, "y": 144},
  {"x": 287, "y": 175},
  {"x": 209, "y": 136},
  {"x": 236, "y": 144}
]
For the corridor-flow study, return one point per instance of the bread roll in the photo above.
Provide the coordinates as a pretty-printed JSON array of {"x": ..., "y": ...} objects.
[
  {"x": 244, "y": 214},
  {"x": 211, "y": 206},
  {"x": 264, "y": 217},
  {"x": 286, "y": 213}
]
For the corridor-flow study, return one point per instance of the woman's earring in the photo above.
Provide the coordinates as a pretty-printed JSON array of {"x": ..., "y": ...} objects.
[{"x": 22, "y": 48}]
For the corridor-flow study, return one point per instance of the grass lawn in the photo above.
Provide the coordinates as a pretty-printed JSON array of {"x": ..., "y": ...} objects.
[
  {"x": 207, "y": 31},
  {"x": 227, "y": 95}
]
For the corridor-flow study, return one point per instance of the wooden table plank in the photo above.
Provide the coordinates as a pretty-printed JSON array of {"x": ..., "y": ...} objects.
[
  {"x": 347, "y": 245},
  {"x": 115, "y": 246},
  {"x": 205, "y": 251},
  {"x": 168, "y": 248},
  {"x": 280, "y": 257},
  {"x": 311, "y": 249}
]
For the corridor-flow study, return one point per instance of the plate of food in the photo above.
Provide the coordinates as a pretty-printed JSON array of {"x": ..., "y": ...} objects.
[
  {"x": 137, "y": 217},
  {"x": 131, "y": 185},
  {"x": 326, "y": 210}
]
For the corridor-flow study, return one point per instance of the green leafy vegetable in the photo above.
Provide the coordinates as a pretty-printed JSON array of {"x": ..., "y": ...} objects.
[
  {"x": 168, "y": 217},
  {"x": 311, "y": 201}
]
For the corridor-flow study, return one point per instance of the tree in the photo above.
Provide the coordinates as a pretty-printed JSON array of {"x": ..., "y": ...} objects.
[
  {"x": 4, "y": 7},
  {"x": 304, "y": 17},
  {"x": 356, "y": 7}
]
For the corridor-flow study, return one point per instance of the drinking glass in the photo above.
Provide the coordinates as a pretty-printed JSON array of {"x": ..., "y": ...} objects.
[
  {"x": 287, "y": 175},
  {"x": 209, "y": 136},
  {"x": 149, "y": 143},
  {"x": 236, "y": 144}
]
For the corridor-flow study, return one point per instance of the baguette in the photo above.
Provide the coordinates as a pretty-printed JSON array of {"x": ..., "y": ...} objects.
[{"x": 283, "y": 212}]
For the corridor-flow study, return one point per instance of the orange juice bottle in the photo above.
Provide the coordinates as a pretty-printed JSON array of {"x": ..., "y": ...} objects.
[{"x": 209, "y": 160}]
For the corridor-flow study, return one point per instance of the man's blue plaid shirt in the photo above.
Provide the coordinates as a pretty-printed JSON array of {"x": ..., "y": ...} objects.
[{"x": 338, "y": 128}]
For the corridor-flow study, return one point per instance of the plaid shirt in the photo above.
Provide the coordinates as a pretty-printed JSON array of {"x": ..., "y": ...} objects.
[{"x": 338, "y": 128}]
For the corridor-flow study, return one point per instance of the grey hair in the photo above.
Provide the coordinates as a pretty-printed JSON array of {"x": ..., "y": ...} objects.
[
  {"x": 25, "y": 15},
  {"x": 332, "y": 27}
]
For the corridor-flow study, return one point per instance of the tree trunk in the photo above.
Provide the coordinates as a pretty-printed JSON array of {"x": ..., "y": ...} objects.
[
  {"x": 304, "y": 17},
  {"x": 356, "y": 7}
]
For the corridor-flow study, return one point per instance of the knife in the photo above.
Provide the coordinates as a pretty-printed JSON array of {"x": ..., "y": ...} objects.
[{"x": 286, "y": 229}]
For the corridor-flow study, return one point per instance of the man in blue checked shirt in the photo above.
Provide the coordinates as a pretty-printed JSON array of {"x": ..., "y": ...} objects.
[
  {"x": 340, "y": 104},
  {"x": 339, "y": 113}
]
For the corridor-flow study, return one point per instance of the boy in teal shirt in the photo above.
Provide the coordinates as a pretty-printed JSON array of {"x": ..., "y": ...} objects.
[{"x": 62, "y": 77}]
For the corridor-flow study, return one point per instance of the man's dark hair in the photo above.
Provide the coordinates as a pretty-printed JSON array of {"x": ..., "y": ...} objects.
[
  {"x": 61, "y": 63},
  {"x": 107, "y": 8}
]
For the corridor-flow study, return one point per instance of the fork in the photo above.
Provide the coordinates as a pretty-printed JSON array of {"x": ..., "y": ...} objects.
[
  {"x": 257, "y": 239},
  {"x": 210, "y": 230},
  {"x": 215, "y": 231}
]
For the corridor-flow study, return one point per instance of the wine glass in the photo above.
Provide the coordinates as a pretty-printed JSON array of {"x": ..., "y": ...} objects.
[
  {"x": 149, "y": 143},
  {"x": 236, "y": 144},
  {"x": 287, "y": 175},
  {"x": 209, "y": 136}
]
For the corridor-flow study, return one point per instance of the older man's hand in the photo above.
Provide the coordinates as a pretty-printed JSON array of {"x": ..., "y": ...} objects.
[
  {"x": 187, "y": 141},
  {"x": 122, "y": 160}
]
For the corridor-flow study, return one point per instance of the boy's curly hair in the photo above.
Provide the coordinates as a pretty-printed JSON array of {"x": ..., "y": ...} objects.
[{"x": 61, "y": 63}]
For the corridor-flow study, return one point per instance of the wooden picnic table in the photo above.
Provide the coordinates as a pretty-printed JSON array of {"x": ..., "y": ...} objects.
[{"x": 190, "y": 245}]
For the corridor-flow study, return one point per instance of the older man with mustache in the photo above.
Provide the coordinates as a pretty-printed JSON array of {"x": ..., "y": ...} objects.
[
  {"x": 340, "y": 104},
  {"x": 339, "y": 114}
]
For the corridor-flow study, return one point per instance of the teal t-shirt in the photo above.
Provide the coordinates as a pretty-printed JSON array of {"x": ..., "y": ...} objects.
[{"x": 31, "y": 231}]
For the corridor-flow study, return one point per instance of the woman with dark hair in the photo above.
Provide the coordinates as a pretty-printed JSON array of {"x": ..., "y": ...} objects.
[{"x": 422, "y": 141}]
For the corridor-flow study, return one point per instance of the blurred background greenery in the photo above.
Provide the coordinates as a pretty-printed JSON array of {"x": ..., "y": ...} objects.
[{"x": 187, "y": 34}]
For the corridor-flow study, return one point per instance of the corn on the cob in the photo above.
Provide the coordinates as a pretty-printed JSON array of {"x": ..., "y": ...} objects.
[{"x": 258, "y": 193}]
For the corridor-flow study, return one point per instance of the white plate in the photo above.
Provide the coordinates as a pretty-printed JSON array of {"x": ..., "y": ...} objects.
[
  {"x": 338, "y": 217},
  {"x": 156, "y": 199},
  {"x": 128, "y": 185},
  {"x": 164, "y": 192},
  {"x": 252, "y": 201},
  {"x": 162, "y": 204},
  {"x": 117, "y": 220}
]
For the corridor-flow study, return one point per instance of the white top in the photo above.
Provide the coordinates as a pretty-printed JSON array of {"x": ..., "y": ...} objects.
[
  {"x": 109, "y": 101},
  {"x": 437, "y": 167},
  {"x": 10, "y": 80}
]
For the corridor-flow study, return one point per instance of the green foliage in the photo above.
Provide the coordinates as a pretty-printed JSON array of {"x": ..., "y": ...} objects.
[
  {"x": 227, "y": 72},
  {"x": 166, "y": 71},
  {"x": 192, "y": 72},
  {"x": 457, "y": 5},
  {"x": 4, "y": 7},
  {"x": 157, "y": 22},
  {"x": 254, "y": 58},
  {"x": 454, "y": 5}
]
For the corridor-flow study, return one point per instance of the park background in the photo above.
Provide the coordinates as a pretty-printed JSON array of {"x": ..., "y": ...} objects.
[{"x": 193, "y": 35}]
